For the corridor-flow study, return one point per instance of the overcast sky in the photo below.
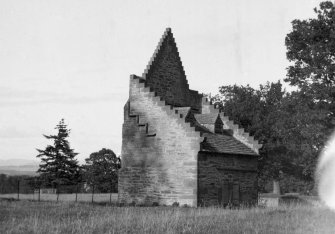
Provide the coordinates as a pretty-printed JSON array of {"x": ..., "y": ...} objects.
[{"x": 72, "y": 59}]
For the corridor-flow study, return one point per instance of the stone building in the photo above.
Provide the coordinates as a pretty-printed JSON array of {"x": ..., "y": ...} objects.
[{"x": 176, "y": 146}]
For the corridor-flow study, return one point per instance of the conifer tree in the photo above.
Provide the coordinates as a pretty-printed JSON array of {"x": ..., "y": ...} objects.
[{"x": 58, "y": 164}]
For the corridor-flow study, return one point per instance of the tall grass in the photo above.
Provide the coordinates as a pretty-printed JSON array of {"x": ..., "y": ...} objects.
[{"x": 66, "y": 217}]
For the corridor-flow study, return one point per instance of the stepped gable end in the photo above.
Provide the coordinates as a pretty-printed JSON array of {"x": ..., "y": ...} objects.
[{"x": 166, "y": 76}]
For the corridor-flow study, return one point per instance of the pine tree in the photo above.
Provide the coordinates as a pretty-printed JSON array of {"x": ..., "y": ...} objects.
[{"x": 58, "y": 164}]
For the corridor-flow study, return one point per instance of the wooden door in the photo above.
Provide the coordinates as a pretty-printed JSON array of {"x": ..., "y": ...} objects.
[{"x": 230, "y": 194}]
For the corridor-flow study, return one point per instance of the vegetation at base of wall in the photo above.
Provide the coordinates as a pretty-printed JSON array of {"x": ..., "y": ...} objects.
[{"x": 33, "y": 217}]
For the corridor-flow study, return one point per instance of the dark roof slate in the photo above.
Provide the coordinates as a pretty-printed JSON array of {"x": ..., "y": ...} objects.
[{"x": 225, "y": 144}]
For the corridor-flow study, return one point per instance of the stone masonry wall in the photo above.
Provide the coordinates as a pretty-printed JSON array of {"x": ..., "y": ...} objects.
[
  {"x": 216, "y": 169},
  {"x": 159, "y": 152}
]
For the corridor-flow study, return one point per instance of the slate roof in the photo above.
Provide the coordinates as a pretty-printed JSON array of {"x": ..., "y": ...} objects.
[
  {"x": 219, "y": 143},
  {"x": 224, "y": 144}
]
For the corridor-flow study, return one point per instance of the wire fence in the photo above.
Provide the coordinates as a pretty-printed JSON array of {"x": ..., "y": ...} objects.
[{"x": 81, "y": 192}]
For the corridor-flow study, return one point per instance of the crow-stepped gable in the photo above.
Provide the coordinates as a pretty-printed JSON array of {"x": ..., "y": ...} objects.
[{"x": 176, "y": 146}]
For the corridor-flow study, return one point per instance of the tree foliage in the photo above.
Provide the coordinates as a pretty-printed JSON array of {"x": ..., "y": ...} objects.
[
  {"x": 16, "y": 183},
  {"x": 256, "y": 110},
  {"x": 101, "y": 170},
  {"x": 289, "y": 127},
  {"x": 293, "y": 127},
  {"x": 58, "y": 163},
  {"x": 311, "y": 50}
]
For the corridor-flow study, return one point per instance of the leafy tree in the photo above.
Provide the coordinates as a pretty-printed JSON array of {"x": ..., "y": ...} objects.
[
  {"x": 58, "y": 164},
  {"x": 305, "y": 131},
  {"x": 34, "y": 182},
  {"x": 287, "y": 126},
  {"x": 311, "y": 50},
  {"x": 101, "y": 170},
  {"x": 293, "y": 127},
  {"x": 241, "y": 103},
  {"x": 3, "y": 178}
]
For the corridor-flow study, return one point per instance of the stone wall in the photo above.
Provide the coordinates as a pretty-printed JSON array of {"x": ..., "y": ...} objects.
[
  {"x": 159, "y": 152},
  {"x": 214, "y": 170}
]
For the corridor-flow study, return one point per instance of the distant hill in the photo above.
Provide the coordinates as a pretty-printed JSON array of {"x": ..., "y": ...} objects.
[
  {"x": 15, "y": 172},
  {"x": 18, "y": 167}
]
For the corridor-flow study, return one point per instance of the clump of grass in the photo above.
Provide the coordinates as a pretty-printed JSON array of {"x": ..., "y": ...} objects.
[{"x": 66, "y": 217}]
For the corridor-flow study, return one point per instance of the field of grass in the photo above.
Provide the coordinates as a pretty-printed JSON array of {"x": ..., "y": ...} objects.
[{"x": 70, "y": 217}]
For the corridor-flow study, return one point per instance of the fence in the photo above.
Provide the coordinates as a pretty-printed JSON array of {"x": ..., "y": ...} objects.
[{"x": 81, "y": 192}]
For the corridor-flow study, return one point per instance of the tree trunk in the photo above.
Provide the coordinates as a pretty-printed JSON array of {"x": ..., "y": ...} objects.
[{"x": 276, "y": 188}]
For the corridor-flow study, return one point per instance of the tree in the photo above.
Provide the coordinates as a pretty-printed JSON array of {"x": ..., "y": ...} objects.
[
  {"x": 311, "y": 50},
  {"x": 101, "y": 170},
  {"x": 242, "y": 103},
  {"x": 284, "y": 123},
  {"x": 58, "y": 164},
  {"x": 258, "y": 112}
]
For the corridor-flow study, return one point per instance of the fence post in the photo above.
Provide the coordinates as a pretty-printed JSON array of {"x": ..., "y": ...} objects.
[
  {"x": 57, "y": 191},
  {"x": 76, "y": 191},
  {"x": 18, "y": 189},
  {"x": 110, "y": 195},
  {"x": 92, "y": 192},
  {"x": 39, "y": 193}
]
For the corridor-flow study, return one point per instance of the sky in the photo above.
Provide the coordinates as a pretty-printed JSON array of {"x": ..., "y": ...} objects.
[{"x": 72, "y": 60}]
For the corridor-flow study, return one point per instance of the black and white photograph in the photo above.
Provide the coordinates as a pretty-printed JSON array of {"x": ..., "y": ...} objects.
[{"x": 167, "y": 116}]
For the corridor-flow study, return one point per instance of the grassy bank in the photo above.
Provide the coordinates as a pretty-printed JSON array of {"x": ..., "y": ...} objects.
[{"x": 66, "y": 217}]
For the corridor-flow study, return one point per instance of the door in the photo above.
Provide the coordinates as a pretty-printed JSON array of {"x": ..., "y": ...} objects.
[{"x": 230, "y": 194}]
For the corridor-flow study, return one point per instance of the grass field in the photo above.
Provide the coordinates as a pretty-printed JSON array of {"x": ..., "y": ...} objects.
[{"x": 70, "y": 217}]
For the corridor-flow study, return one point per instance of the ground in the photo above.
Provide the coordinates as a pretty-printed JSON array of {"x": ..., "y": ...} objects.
[{"x": 71, "y": 217}]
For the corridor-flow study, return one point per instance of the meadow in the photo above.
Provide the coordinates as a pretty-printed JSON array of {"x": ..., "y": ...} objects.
[{"x": 70, "y": 217}]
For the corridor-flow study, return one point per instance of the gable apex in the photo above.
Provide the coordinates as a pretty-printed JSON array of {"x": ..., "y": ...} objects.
[
  {"x": 167, "y": 42},
  {"x": 166, "y": 76}
]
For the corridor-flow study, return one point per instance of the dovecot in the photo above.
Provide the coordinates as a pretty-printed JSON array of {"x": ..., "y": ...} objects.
[{"x": 177, "y": 147}]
